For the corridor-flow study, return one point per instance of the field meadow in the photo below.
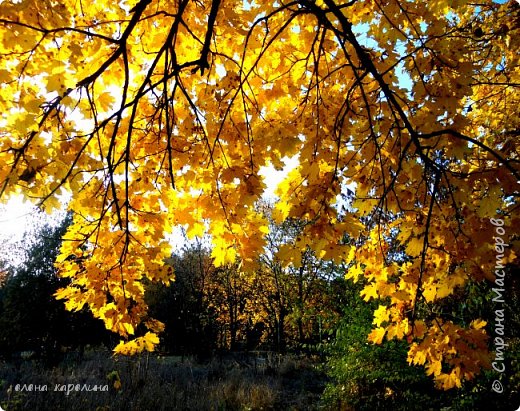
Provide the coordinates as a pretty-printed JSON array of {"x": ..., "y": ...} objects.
[{"x": 98, "y": 381}]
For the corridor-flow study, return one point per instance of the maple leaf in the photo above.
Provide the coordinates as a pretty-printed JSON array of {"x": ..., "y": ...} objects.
[
  {"x": 450, "y": 380},
  {"x": 419, "y": 329},
  {"x": 370, "y": 291},
  {"x": 434, "y": 368},
  {"x": 289, "y": 254},
  {"x": 376, "y": 335},
  {"x": 150, "y": 341},
  {"x": 478, "y": 324},
  {"x": 414, "y": 246},
  {"x": 381, "y": 315},
  {"x": 354, "y": 272}
]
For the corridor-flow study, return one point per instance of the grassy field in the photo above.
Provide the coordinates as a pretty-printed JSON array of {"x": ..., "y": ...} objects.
[{"x": 100, "y": 382}]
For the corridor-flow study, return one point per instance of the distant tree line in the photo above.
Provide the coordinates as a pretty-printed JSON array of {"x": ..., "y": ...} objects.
[
  {"x": 31, "y": 319},
  {"x": 274, "y": 307},
  {"x": 205, "y": 309},
  {"x": 208, "y": 308}
]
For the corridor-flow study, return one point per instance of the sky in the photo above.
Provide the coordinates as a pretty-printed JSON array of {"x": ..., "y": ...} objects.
[
  {"x": 15, "y": 218},
  {"x": 18, "y": 216}
]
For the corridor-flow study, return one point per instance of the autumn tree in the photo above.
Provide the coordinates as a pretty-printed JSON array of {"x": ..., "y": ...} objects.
[
  {"x": 156, "y": 113},
  {"x": 293, "y": 284}
]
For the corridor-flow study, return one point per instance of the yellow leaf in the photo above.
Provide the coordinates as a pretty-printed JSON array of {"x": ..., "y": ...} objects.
[
  {"x": 381, "y": 315},
  {"x": 415, "y": 246},
  {"x": 416, "y": 355},
  {"x": 448, "y": 381},
  {"x": 223, "y": 254},
  {"x": 377, "y": 335},
  {"x": 287, "y": 254},
  {"x": 354, "y": 272},
  {"x": 430, "y": 292},
  {"x": 434, "y": 368},
  {"x": 196, "y": 230},
  {"x": 128, "y": 328},
  {"x": 478, "y": 324},
  {"x": 365, "y": 206},
  {"x": 56, "y": 82},
  {"x": 419, "y": 329},
  {"x": 491, "y": 203},
  {"x": 150, "y": 341},
  {"x": 106, "y": 100},
  {"x": 370, "y": 291}
]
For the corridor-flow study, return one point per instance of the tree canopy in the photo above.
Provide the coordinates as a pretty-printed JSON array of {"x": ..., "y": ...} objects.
[{"x": 151, "y": 114}]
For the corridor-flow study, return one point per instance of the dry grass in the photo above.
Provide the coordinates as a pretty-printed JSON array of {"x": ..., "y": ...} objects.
[{"x": 165, "y": 383}]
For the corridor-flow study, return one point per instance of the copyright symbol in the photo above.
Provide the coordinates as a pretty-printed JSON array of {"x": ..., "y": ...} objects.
[{"x": 497, "y": 387}]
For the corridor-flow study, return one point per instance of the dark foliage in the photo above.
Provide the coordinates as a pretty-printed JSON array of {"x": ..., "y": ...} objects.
[
  {"x": 31, "y": 319},
  {"x": 190, "y": 322}
]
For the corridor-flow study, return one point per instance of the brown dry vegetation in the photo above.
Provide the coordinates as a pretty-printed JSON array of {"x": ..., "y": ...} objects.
[{"x": 231, "y": 382}]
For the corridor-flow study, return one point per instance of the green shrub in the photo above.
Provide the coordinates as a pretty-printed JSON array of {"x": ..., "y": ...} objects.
[
  {"x": 377, "y": 377},
  {"x": 367, "y": 376}
]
